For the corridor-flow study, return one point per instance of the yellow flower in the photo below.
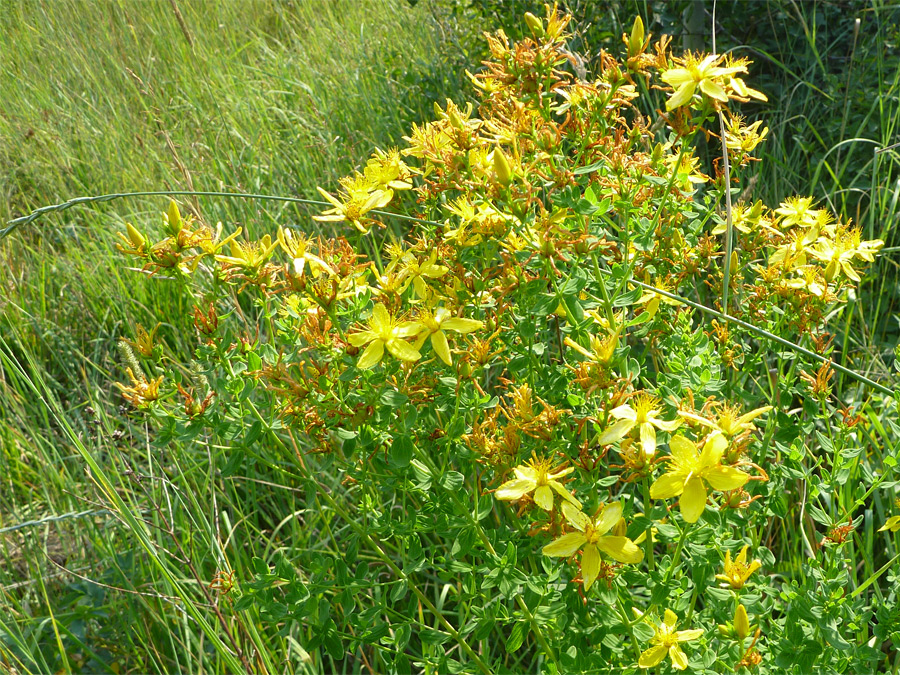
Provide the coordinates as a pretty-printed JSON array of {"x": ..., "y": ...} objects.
[
  {"x": 813, "y": 280},
  {"x": 355, "y": 206},
  {"x": 702, "y": 75},
  {"x": 592, "y": 538},
  {"x": 416, "y": 272},
  {"x": 296, "y": 245},
  {"x": 653, "y": 299},
  {"x": 892, "y": 524},
  {"x": 142, "y": 391},
  {"x": 602, "y": 349},
  {"x": 386, "y": 170},
  {"x": 797, "y": 211},
  {"x": 737, "y": 571},
  {"x": 666, "y": 642},
  {"x": 744, "y": 139},
  {"x": 840, "y": 253},
  {"x": 435, "y": 323},
  {"x": 385, "y": 332},
  {"x": 690, "y": 471},
  {"x": 143, "y": 341},
  {"x": 537, "y": 476},
  {"x": 643, "y": 416},
  {"x": 249, "y": 254},
  {"x": 729, "y": 422}
]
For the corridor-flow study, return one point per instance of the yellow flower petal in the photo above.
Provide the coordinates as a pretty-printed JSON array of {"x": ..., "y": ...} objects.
[
  {"x": 576, "y": 518},
  {"x": 610, "y": 515},
  {"x": 670, "y": 618},
  {"x": 713, "y": 90},
  {"x": 667, "y": 486},
  {"x": 892, "y": 524},
  {"x": 403, "y": 350},
  {"x": 682, "y": 96},
  {"x": 373, "y": 354},
  {"x": 713, "y": 450},
  {"x": 693, "y": 500},
  {"x": 679, "y": 658},
  {"x": 590, "y": 565},
  {"x": 380, "y": 320},
  {"x": 621, "y": 549},
  {"x": 514, "y": 489},
  {"x": 652, "y": 656},
  {"x": 683, "y": 450},
  {"x": 441, "y": 348},
  {"x": 687, "y": 635},
  {"x": 565, "y": 546},
  {"x": 565, "y": 494},
  {"x": 725, "y": 478},
  {"x": 615, "y": 432},
  {"x": 361, "y": 338},
  {"x": 648, "y": 439},
  {"x": 462, "y": 325},
  {"x": 543, "y": 497}
]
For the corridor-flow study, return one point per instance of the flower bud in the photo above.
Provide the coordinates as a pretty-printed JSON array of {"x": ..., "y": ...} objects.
[
  {"x": 741, "y": 622},
  {"x": 136, "y": 238},
  {"x": 172, "y": 219},
  {"x": 636, "y": 41},
  {"x": 535, "y": 24},
  {"x": 502, "y": 169}
]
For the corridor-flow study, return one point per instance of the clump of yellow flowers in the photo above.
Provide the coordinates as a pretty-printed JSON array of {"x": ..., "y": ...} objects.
[{"x": 523, "y": 433}]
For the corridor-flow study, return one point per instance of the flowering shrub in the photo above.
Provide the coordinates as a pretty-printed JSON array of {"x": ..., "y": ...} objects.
[{"x": 550, "y": 456}]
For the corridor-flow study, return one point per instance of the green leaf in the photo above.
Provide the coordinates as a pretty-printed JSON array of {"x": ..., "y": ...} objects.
[
  {"x": 452, "y": 481},
  {"x": 628, "y": 298},
  {"x": 393, "y": 398},
  {"x": 516, "y": 638},
  {"x": 399, "y": 590},
  {"x": 545, "y": 305},
  {"x": 430, "y": 636},
  {"x": 402, "y": 450}
]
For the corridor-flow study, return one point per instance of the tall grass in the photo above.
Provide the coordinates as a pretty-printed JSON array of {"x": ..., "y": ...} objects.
[{"x": 115, "y": 96}]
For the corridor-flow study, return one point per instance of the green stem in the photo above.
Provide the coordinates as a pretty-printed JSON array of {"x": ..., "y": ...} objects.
[
  {"x": 648, "y": 544},
  {"x": 677, "y": 555}
]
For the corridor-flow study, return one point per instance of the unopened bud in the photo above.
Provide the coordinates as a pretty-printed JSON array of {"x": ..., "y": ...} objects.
[
  {"x": 535, "y": 24},
  {"x": 136, "y": 238},
  {"x": 455, "y": 120},
  {"x": 741, "y": 622},
  {"x": 735, "y": 262},
  {"x": 636, "y": 41},
  {"x": 502, "y": 169},
  {"x": 173, "y": 219}
]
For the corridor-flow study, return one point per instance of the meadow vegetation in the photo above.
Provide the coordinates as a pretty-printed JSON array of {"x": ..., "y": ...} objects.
[{"x": 551, "y": 363}]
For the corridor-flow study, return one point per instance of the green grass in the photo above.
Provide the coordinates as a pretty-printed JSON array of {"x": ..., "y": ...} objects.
[{"x": 251, "y": 96}]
